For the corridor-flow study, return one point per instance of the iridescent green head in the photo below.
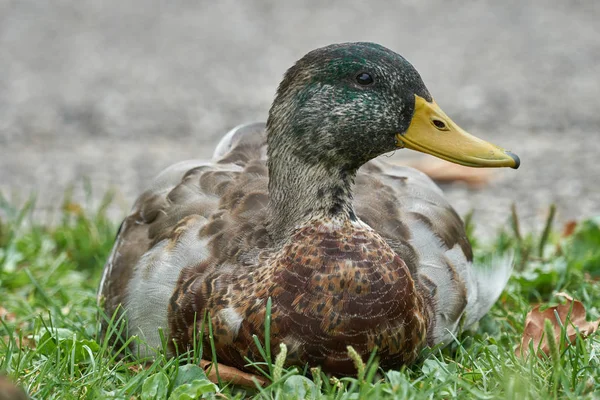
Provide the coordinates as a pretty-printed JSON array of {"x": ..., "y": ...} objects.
[{"x": 344, "y": 104}]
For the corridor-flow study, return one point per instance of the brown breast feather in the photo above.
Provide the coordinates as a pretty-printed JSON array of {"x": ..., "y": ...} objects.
[{"x": 329, "y": 288}]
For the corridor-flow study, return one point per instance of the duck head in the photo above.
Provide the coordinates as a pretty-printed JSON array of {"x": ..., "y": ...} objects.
[{"x": 344, "y": 104}]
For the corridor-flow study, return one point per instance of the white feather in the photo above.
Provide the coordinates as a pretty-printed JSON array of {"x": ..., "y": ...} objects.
[
  {"x": 487, "y": 281},
  {"x": 153, "y": 282}
]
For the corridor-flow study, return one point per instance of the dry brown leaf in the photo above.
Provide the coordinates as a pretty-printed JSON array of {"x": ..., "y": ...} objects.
[
  {"x": 534, "y": 325},
  {"x": 231, "y": 375},
  {"x": 23, "y": 342},
  {"x": 446, "y": 172},
  {"x": 6, "y": 315},
  {"x": 569, "y": 228},
  {"x": 227, "y": 374},
  {"x": 73, "y": 208},
  {"x": 137, "y": 367},
  {"x": 26, "y": 342}
]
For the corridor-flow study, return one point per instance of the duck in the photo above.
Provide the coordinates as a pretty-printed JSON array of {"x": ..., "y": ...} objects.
[{"x": 302, "y": 214}]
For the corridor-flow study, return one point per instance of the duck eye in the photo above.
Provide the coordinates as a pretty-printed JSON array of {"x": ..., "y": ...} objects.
[
  {"x": 438, "y": 123},
  {"x": 364, "y": 78}
]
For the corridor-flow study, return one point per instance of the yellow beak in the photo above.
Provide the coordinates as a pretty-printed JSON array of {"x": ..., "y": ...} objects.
[{"x": 431, "y": 131}]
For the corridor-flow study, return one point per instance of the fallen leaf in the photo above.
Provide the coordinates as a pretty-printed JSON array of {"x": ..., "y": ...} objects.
[
  {"x": 6, "y": 315},
  {"x": 73, "y": 208},
  {"x": 231, "y": 375},
  {"x": 227, "y": 374},
  {"x": 534, "y": 325},
  {"x": 569, "y": 228},
  {"x": 135, "y": 367},
  {"x": 446, "y": 172},
  {"x": 25, "y": 342},
  {"x": 22, "y": 341}
]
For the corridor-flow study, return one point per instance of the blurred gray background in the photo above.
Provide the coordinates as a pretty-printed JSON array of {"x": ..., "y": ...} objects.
[{"x": 114, "y": 91}]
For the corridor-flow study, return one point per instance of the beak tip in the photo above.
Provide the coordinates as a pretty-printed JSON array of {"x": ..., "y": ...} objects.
[{"x": 515, "y": 158}]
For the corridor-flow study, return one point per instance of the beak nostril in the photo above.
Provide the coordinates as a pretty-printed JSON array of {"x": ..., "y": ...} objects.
[{"x": 438, "y": 123}]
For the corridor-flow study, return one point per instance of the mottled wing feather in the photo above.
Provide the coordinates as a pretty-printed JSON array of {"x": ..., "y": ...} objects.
[
  {"x": 152, "y": 219},
  {"x": 192, "y": 211},
  {"x": 133, "y": 239}
]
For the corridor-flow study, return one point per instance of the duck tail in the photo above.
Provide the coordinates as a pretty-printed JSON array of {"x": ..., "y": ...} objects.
[{"x": 488, "y": 280}]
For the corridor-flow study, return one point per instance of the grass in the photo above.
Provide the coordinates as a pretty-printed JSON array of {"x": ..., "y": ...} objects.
[{"x": 49, "y": 344}]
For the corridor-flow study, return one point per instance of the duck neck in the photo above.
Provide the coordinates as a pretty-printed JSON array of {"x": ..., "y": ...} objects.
[{"x": 301, "y": 191}]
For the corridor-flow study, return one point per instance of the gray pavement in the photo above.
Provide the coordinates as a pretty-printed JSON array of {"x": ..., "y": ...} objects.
[{"x": 114, "y": 91}]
